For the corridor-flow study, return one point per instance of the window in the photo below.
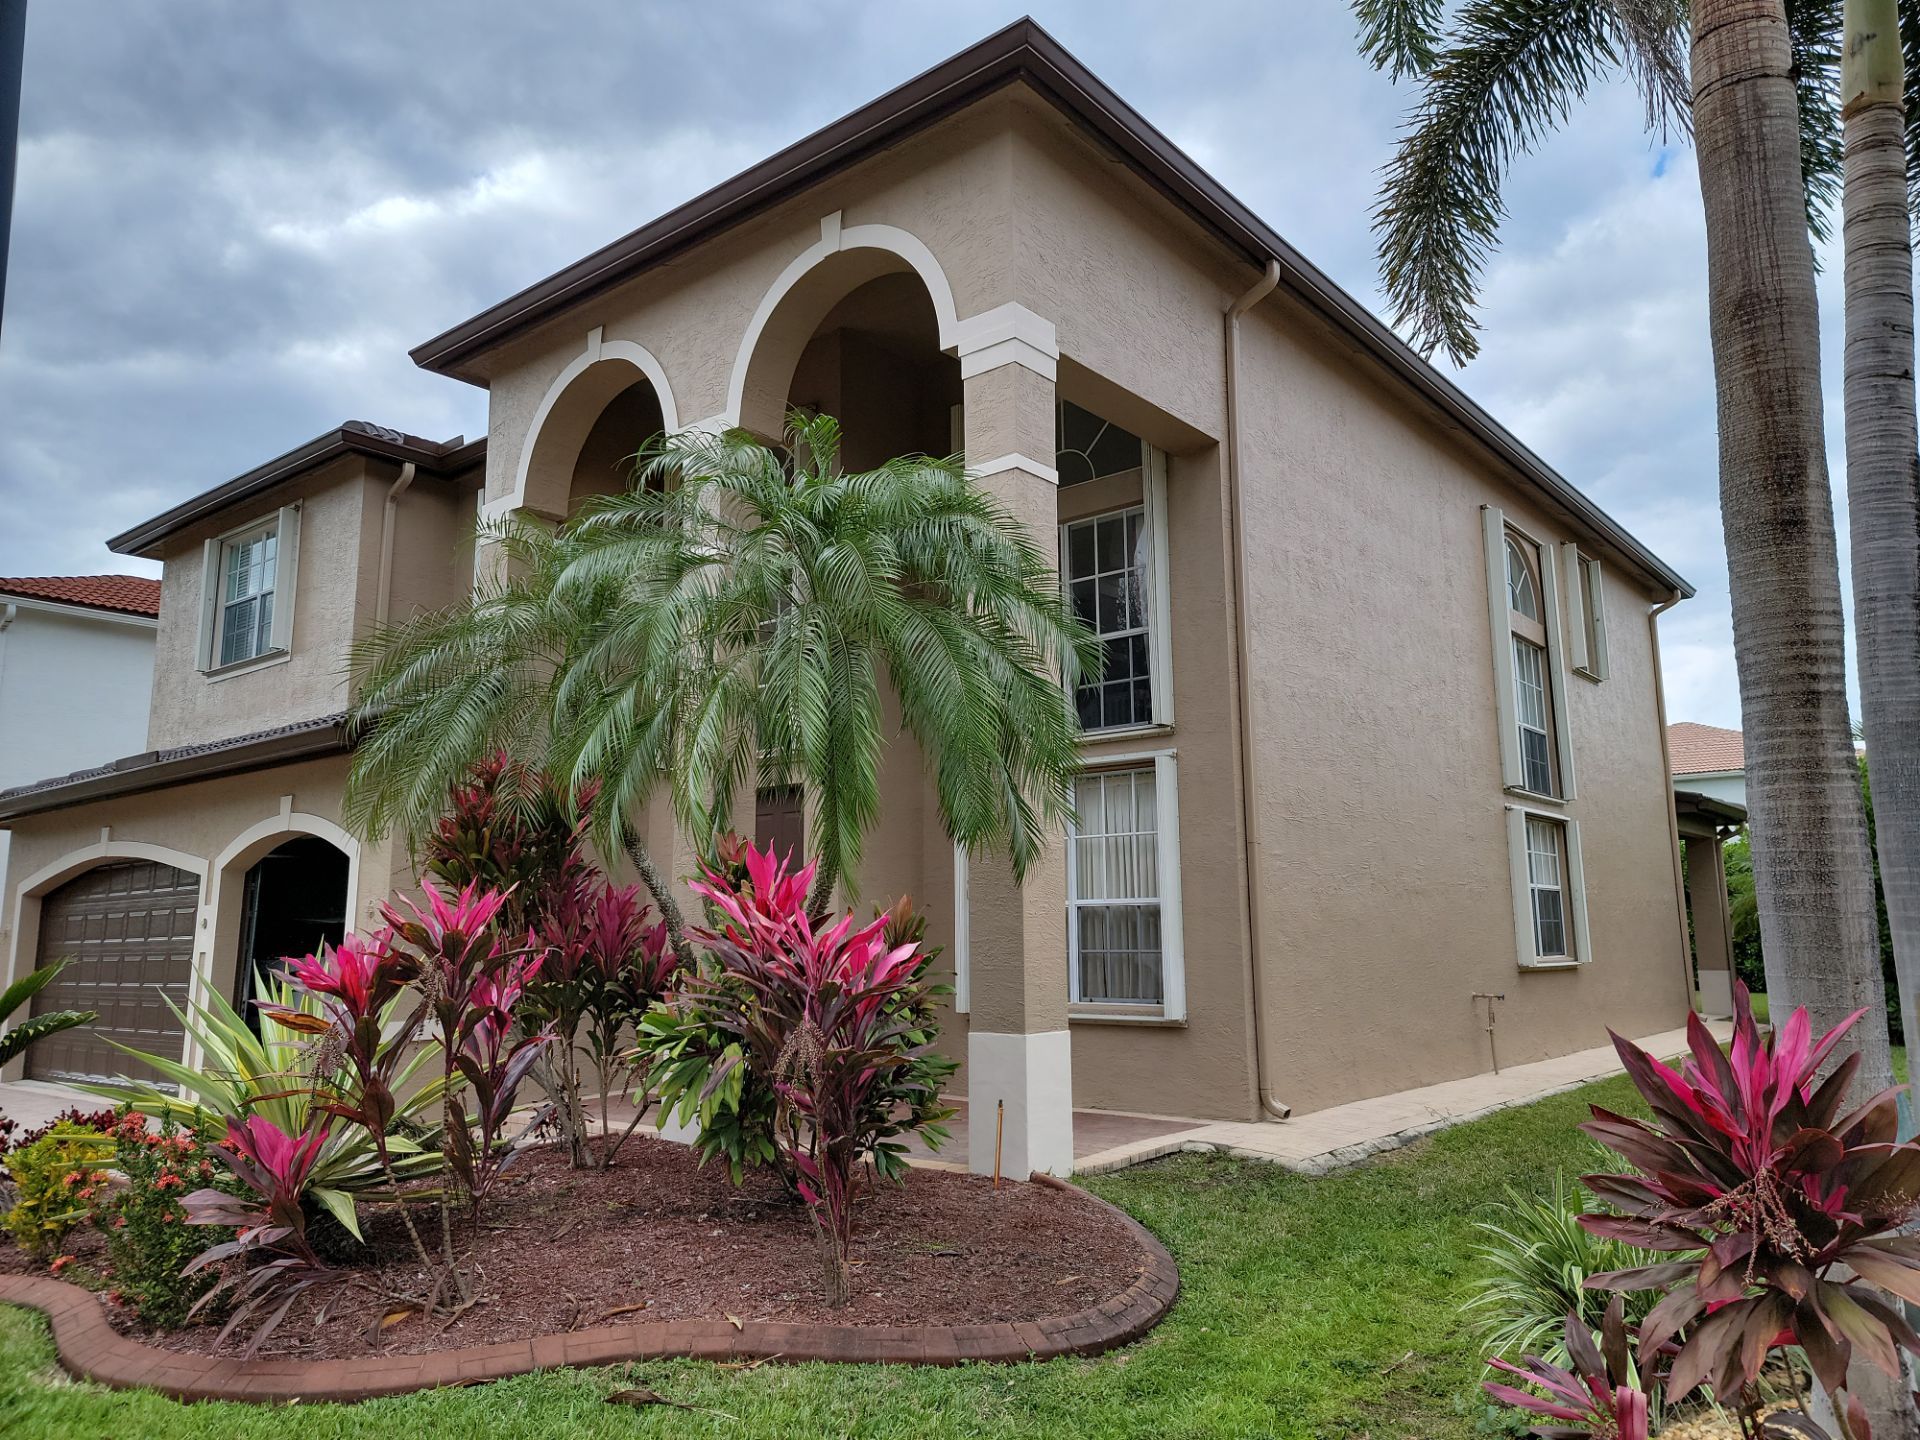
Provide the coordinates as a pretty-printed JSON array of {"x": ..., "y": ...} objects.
[
  {"x": 1536, "y": 755},
  {"x": 1123, "y": 892},
  {"x": 247, "y": 590},
  {"x": 1113, "y": 509},
  {"x": 1107, "y": 583},
  {"x": 1549, "y": 888},
  {"x": 245, "y": 626},
  {"x": 1587, "y": 613}
]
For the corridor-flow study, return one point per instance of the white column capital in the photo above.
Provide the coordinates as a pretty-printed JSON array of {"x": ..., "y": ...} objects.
[{"x": 1008, "y": 334}]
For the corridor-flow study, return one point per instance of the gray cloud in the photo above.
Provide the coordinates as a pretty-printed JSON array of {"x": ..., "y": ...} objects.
[{"x": 233, "y": 219}]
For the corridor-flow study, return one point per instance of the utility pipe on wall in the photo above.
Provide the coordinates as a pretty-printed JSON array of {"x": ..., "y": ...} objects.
[
  {"x": 387, "y": 522},
  {"x": 1243, "y": 715}
]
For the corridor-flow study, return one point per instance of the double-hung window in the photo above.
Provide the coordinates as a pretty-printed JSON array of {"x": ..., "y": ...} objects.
[
  {"x": 247, "y": 592},
  {"x": 1532, "y": 703},
  {"x": 1113, "y": 513},
  {"x": 1123, "y": 886},
  {"x": 1549, "y": 888},
  {"x": 1536, "y": 750}
]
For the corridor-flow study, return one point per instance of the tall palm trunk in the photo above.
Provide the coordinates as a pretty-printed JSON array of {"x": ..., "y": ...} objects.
[
  {"x": 1883, "y": 464},
  {"x": 1812, "y": 869}
]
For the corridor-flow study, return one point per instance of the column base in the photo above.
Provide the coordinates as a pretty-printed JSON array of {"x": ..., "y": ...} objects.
[
  {"x": 1033, "y": 1076},
  {"x": 1716, "y": 994}
]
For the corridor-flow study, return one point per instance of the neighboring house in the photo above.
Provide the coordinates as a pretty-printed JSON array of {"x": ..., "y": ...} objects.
[
  {"x": 1708, "y": 760},
  {"x": 76, "y": 662},
  {"x": 1380, "y": 732}
]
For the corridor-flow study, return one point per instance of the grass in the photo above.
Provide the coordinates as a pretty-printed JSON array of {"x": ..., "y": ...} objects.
[{"x": 1311, "y": 1308}]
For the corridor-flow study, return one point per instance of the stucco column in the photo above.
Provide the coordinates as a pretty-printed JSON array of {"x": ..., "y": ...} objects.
[
  {"x": 1018, "y": 1051},
  {"x": 1712, "y": 924}
]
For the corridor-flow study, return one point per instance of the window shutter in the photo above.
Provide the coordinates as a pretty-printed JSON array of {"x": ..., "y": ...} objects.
[
  {"x": 1557, "y": 669},
  {"x": 1577, "y": 894},
  {"x": 1494, "y": 526},
  {"x": 1522, "y": 892},
  {"x": 1597, "y": 604},
  {"x": 1173, "y": 962},
  {"x": 209, "y": 603},
  {"x": 286, "y": 577},
  {"x": 1574, "y": 579},
  {"x": 1153, "y": 477}
]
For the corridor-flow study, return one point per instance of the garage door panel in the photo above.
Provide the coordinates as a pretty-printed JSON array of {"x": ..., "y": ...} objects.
[{"x": 129, "y": 930}]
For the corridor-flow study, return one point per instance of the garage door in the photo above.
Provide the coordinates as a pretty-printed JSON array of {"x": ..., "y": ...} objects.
[{"x": 129, "y": 928}]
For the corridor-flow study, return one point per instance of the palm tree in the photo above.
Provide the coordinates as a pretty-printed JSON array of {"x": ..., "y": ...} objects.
[
  {"x": 15, "y": 1040},
  {"x": 729, "y": 622},
  {"x": 1764, "y": 126},
  {"x": 1883, "y": 460}
]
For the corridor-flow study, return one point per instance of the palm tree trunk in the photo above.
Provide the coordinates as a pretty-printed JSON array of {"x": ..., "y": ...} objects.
[
  {"x": 1812, "y": 869},
  {"x": 1883, "y": 465},
  {"x": 662, "y": 893},
  {"x": 1883, "y": 493}
]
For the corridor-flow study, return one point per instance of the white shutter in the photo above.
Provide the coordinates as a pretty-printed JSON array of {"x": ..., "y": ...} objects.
[
  {"x": 1153, "y": 477},
  {"x": 286, "y": 577},
  {"x": 1522, "y": 892},
  {"x": 1576, "y": 633},
  {"x": 209, "y": 603},
  {"x": 1597, "y": 607},
  {"x": 1494, "y": 526},
  {"x": 1577, "y": 894},
  {"x": 1557, "y": 670}
]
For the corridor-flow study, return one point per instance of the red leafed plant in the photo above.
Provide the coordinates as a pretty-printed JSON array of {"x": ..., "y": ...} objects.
[
  {"x": 274, "y": 1166},
  {"x": 828, "y": 1014},
  {"x": 1779, "y": 1200},
  {"x": 1599, "y": 1399}
]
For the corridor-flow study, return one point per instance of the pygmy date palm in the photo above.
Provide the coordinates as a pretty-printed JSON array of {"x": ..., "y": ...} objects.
[{"x": 731, "y": 621}]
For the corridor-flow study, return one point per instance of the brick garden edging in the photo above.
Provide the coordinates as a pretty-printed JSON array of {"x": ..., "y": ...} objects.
[{"x": 91, "y": 1349}]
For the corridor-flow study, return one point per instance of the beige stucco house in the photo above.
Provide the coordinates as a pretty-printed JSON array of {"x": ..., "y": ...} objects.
[{"x": 1381, "y": 730}]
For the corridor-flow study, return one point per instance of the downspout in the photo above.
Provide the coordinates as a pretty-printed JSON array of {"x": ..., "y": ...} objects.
[
  {"x": 1673, "y": 814},
  {"x": 387, "y": 521},
  {"x": 1243, "y": 714}
]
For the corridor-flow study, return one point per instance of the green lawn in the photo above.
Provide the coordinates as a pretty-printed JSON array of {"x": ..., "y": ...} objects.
[{"x": 1312, "y": 1308}]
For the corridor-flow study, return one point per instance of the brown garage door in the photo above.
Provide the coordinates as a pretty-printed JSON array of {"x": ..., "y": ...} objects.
[{"x": 129, "y": 928}]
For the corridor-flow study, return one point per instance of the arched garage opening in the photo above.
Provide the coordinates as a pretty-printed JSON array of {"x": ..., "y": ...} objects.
[{"x": 126, "y": 929}]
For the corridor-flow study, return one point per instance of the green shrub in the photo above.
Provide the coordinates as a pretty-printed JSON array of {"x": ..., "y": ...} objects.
[
  {"x": 56, "y": 1180},
  {"x": 148, "y": 1240}
]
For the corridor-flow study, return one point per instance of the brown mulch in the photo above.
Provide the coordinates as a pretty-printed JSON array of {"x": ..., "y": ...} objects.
[{"x": 658, "y": 1239}]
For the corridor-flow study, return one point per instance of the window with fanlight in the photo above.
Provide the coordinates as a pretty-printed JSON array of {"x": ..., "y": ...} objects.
[{"x": 1532, "y": 692}]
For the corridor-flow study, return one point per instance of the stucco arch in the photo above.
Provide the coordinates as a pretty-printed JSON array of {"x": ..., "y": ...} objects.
[
  {"x": 31, "y": 889},
  {"x": 839, "y": 262},
  {"x": 226, "y": 888},
  {"x": 566, "y": 414}
]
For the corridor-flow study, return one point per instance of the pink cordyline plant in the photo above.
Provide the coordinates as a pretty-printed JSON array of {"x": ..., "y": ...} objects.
[
  {"x": 1783, "y": 1204},
  {"x": 1599, "y": 1399},
  {"x": 275, "y": 1166},
  {"x": 828, "y": 1013}
]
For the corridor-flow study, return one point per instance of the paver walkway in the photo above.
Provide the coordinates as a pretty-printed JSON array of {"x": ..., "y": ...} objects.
[{"x": 1329, "y": 1139}]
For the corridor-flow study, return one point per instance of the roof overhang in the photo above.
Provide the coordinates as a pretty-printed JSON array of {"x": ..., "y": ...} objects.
[
  {"x": 444, "y": 459},
  {"x": 157, "y": 769},
  {"x": 1025, "y": 53},
  {"x": 1707, "y": 810},
  {"x": 106, "y": 613}
]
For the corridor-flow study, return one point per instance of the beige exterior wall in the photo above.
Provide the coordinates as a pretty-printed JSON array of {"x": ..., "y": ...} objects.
[{"x": 337, "y": 574}]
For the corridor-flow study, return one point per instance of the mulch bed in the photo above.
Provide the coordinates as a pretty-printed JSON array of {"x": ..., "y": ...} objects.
[{"x": 657, "y": 1238}]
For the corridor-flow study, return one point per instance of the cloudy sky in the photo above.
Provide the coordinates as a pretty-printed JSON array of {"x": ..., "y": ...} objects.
[{"x": 233, "y": 219}]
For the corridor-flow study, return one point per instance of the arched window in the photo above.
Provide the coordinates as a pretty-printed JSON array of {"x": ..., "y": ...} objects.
[{"x": 1533, "y": 696}]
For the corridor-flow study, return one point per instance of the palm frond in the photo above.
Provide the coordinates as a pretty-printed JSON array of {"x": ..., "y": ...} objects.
[
  {"x": 1400, "y": 36},
  {"x": 1815, "y": 29}
]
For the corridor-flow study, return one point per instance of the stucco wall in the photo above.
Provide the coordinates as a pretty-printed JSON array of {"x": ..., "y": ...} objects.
[{"x": 335, "y": 595}]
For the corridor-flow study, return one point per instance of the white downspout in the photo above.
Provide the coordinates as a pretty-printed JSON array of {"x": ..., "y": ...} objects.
[
  {"x": 387, "y": 520},
  {"x": 1249, "y": 790}
]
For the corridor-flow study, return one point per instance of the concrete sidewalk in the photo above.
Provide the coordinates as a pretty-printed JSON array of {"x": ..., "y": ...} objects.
[
  {"x": 1329, "y": 1139},
  {"x": 34, "y": 1103}
]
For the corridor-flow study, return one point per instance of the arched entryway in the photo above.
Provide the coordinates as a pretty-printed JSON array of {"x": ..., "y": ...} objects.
[
  {"x": 607, "y": 402},
  {"x": 126, "y": 929},
  {"x": 293, "y": 900}
]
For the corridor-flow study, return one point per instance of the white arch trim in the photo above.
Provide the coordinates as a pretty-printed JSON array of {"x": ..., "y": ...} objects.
[
  {"x": 597, "y": 349},
  {"x": 835, "y": 238}
]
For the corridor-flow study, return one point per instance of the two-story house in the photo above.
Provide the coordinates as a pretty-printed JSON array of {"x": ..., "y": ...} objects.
[{"x": 1380, "y": 728}]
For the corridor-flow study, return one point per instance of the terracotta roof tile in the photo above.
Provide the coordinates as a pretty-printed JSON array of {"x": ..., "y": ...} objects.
[
  {"x": 1704, "y": 749},
  {"x": 128, "y": 594}
]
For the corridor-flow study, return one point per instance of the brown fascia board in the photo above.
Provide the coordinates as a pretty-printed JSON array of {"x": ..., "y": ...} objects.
[
  {"x": 1693, "y": 802},
  {"x": 444, "y": 459},
  {"x": 1023, "y": 52},
  {"x": 157, "y": 769}
]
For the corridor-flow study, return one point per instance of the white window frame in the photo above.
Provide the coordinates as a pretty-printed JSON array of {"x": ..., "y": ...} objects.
[
  {"x": 1153, "y": 528},
  {"x": 1173, "y": 968},
  {"x": 1573, "y": 869},
  {"x": 1586, "y": 613},
  {"x": 1495, "y": 529},
  {"x": 285, "y": 525}
]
